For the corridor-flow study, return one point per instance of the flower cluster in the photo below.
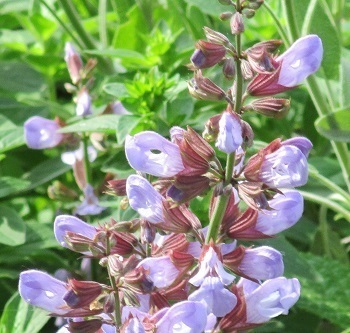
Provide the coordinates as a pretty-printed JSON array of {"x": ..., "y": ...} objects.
[{"x": 168, "y": 271}]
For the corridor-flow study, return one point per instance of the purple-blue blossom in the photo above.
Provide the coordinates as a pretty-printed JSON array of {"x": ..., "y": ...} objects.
[
  {"x": 270, "y": 299},
  {"x": 41, "y": 289},
  {"x": 262, "y": 263},
  {"x": 160, "y": 271},
  {"x": 230, "y": 133},
  {"x": 144, "y": 198},
  {"x": 218, "y": 300},
  {"x": 151, "y": 153},
  {"x": 285, "y": 167},
  {"x": 41, "y": 133},
  {"x": 90, "y": 205},
  {"x": 286, "y": 210},
  {"x": 302, "y": 143},
  {"x": 184, "y": 317},
  {"x": 302, "y": 59},
  {"x": 68, "y": 223}
]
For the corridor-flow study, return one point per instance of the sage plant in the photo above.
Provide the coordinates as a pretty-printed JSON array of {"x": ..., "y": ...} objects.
[{"x": 167, "y": 270}]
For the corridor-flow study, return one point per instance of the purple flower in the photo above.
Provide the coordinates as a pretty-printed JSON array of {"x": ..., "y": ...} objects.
[
  {"x": 134, "y": 326},
  {"x": 160, "y": 271},
  {"x": 302, "y": 143},
  {"x": 285, "y": 167},
  {"x": 149, "y": 152},
  {"x": 218, "y": 300},
  {"x": 184, "y": 317},
  {"x": 302, "y": 59},
  {"x": 83, "y": 103},
  {"x": 230, "y": 133},
  {"x": 270, "y": 299},
  {"x": 40, "y": 289},
  {"x": 118, "y": 108},
  {"x": 67, "y": 223},
  {"x": 41, "y": 133},
  {"x": 71, "y": 157},
  {"x": 210, "y": 265},
  {"x": 262, "y": 263},
  {"x": 144, "y": 198},
  {"x": 287, "y": 209},
  {"x": 90, "y": 205}
]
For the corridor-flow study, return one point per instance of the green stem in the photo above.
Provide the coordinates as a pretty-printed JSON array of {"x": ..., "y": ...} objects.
[
  {"x": 102, "y": 20},
  {"x": 277, "y": 21},
  {"x": 324, "y": 230},
  {"x": 327, "y": 203},
  {"x": 87, "y": 40},
  {"x": 329, "y": 184},
  {"x": 117, "y": 309},
  {"x": 86, "y": 159},
  {"x": 63, "y": 25},
  {"x": 340, "y": 149},
  {"x": 221, "y": 204}
]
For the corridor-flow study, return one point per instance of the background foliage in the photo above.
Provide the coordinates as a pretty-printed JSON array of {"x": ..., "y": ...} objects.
[{"x": 142, "y": 48}]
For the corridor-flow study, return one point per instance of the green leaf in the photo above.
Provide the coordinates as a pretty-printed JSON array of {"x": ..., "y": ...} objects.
[
  {"x": 38, "y": 238},
  {"x": 11, "y": 136},
  {"x": 116, "y": 89},
  {"x": 317, "y": 19},
  {"x": 19, "y": 316},
  {"x": 11, "y": 185},
  {"x": 12, "y": 227},
  {"x": 335, "y": 126},
  {"x": 125, "y": 126},
  {"x": 105, "y": 123},
  {"x": 328, "y": 294}
]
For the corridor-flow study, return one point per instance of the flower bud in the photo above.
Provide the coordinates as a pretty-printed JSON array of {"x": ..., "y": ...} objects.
[
  {"x": 229, "y": 68},
  {"x": 83, "y": 103},
  {"x": 230, "y": 132},
  {"x": 41, "y": 133},
  {"x": 255, "y": 4},
  {"x": 225, "y": 16},
  {"x": 117, "y": 187},
  {"x": 201, "y": 87},
  {"x": 74, "y": 63},
  {"x": 270, "y": 107},
  {"x": 207, "y": 54},
  {"x": 216, "y": 37},
  {"x": 237, "y": 24},
  {"x": 248, "y": 13},
  {"x": 247, "y": 71},
  {"x": 85, "y": 326},
  {"x": 211, "y": 129}
]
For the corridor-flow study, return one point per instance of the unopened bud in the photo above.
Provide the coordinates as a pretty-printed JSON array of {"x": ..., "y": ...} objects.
[
  {"x": 248, "y": 13},
  {"x": 225, "y": 16},
  {"x": 255, "y": 4},
  {"x": 58, "y": 191},
  {"x": 271, "y": 107},
  {"x": 207, "y": 54},
  {"x": 201, "y": 87},
  {"x": 229, "y": 68},
  {"x": 108, "y": 305},
  {"x": 211, "y": 129},
  {"x": 247, "y": 71},
  {"x": 247, "y": 134},
  {"x": 74, "y": 63},
  {"x": 216, "y": 37},
  {"x": 70, "y": 88},
  {"x": 117, "y": 187},
  {"x": 237, "y": 24}
]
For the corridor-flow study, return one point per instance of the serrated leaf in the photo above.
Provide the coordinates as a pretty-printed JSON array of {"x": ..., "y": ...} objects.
[
  {"x": 104, "y": 123},
  {"x": 12, "y": 227},
  {"x": 19, "y": 316},
  {"x": 335, "y": 126},
  {"x": 328, "y": 295}
]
